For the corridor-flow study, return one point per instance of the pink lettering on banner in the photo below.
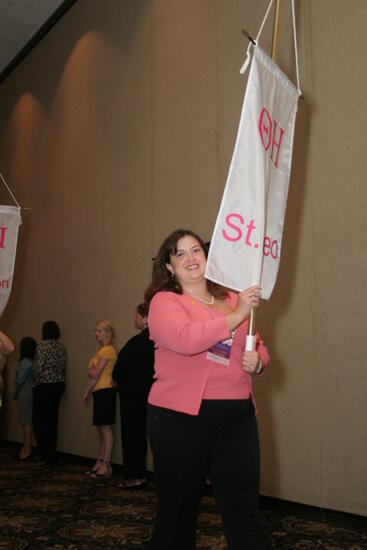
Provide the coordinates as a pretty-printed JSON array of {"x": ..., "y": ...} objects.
[
  {"x": 274, "y": 249},
  {"x": 276, "y": 144},
  {"x": 2, "y": 236},
  {"x": 266, "y": 246},
  {"x": 269, "y": 134},
  {"x": 270, "y": 247},
  {"x": 228, "y": 222},
  {"x": 265, "y": 126},
  {"x": 4, "y": 283},
  {"x": 250, "y": 227}
]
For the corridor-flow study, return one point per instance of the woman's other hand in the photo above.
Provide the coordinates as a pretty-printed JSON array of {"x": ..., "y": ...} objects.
[
  {"x": 250, "y": 361},
  {"x": 86, "y": 397}
]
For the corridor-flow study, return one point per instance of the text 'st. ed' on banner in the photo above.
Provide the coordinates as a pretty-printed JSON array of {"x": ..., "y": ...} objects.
[
  {"x": 9, "y": 224},
  {"x": 246, "y": 243}
]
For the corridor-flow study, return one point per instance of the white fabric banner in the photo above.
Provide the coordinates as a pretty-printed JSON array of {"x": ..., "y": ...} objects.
[
  {"x": 9, "y": 223},
  {"x": 246, "y": 243}
]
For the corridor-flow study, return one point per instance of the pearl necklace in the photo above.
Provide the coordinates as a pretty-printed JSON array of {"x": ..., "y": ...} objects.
[{"x": 206, "y": 302}]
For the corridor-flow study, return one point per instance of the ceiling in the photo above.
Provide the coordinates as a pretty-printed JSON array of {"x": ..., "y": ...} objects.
[{"x": 23, "y": 23}]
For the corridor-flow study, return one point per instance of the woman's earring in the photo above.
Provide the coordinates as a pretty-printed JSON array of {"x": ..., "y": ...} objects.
[{"x": 169, "y": 269}]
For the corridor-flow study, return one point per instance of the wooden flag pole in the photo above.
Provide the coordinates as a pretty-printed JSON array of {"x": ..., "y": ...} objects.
[
  {"x": 275, "y": 31},
  {"x": 250, "y": 343}
]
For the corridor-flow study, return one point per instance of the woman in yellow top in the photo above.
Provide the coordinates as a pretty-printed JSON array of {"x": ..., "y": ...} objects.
[{"x": 104, "y": 397}]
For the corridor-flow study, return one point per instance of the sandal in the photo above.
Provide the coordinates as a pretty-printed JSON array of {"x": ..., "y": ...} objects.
[
  {"x": 107, "y": 474},
  {"x": 96, "y": 467}
]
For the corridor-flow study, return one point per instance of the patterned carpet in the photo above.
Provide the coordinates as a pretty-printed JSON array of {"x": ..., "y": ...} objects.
[{"x": 60, "y": 508}]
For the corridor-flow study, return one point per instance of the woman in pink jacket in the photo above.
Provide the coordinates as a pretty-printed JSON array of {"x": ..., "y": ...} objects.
[{"x": 201, "y": 408}]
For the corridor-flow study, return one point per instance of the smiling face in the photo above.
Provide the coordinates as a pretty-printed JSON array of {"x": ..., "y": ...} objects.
[{"x": 188, "y": 264}]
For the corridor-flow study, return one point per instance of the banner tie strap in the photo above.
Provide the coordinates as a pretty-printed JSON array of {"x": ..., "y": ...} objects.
[
  {"x": 6, "y": 185},
  {"x": 295, "y": 45},
  {"x": 254, "y": 43},
  {"x": 247, "y": 60}
]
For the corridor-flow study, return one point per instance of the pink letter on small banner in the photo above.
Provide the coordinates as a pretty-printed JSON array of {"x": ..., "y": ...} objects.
[
  {"x": 9, "y": 224},
  {"x": 246, "y": 243}
]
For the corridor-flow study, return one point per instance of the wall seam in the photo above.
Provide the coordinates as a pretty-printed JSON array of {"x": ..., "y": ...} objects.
[
  {"x": 309, "y": 180},
  {"x": 217, "y": 95},
  {"x": 152, "y": 128}
]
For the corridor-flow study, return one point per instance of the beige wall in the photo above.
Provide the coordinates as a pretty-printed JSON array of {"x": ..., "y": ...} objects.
[{"x": 119, "y": 127}]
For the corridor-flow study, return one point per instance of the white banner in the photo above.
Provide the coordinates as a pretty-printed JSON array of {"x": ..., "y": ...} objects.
[
  {"x": 9, "y": 223},
  {"x": 246, "y": 243}
]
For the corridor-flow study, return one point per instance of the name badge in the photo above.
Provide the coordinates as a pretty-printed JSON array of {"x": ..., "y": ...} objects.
[{"x": 221, "y": 352}]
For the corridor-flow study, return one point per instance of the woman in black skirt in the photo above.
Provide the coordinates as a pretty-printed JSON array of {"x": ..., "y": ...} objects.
[{"x": 104, "y": 397}]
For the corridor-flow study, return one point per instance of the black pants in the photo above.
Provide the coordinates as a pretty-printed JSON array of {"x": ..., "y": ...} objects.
[
  {"x": 46, "y": 401},
  {"x": 133, "y": 411},
  {"x": 220, "y": 443}
]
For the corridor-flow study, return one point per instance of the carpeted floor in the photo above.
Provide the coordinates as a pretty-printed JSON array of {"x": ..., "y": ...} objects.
[{"x": 60, "y": 508}]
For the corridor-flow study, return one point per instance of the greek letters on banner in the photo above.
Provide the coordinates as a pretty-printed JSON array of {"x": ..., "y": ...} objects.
[
  {"x": 9, "y": 224},
  {"x": 246, "y": 243}
]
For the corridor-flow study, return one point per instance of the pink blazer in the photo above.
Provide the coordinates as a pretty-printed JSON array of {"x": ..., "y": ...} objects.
[{"x": 183, "y": 330}]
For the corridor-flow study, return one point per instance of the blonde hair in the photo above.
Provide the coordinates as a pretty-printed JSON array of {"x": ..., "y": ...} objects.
[{"x": 107, "y": 325}]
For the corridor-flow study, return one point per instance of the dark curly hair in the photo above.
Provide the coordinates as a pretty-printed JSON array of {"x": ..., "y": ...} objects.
[
  {"x": 50, "y": 330},
  {"x": 162, "y": 279}
]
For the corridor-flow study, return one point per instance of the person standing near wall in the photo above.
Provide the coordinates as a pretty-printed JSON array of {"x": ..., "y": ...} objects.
[
  {"x": 133, "y": 372},
  {"x": 49, "y": 371},
  {"x": 6, "y": 347},
  {"x": 104, "y": 397},
  {"x": 23, "y": 392}
]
